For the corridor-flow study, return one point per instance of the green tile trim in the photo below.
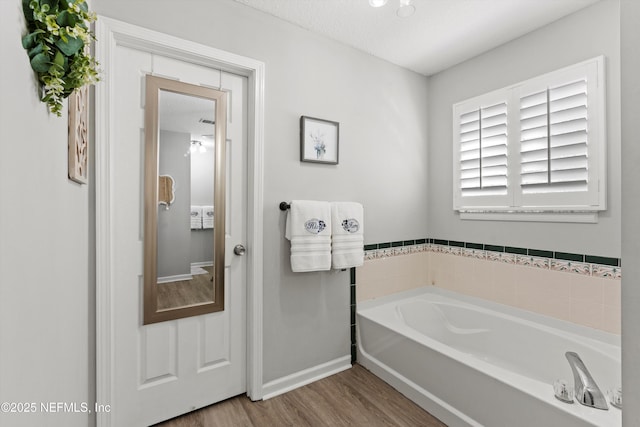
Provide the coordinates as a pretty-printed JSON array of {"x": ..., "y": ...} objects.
[
  {"x": 474, "y": 246},
  {"x": 517, "y": 251},
  {"x": 539, "y": 253},
  {"x": 601, "y": 260},
  {"x": 352, "y": 298},
  {"x": 568, "y": 257},
  {"x": 615, "y": 262}
]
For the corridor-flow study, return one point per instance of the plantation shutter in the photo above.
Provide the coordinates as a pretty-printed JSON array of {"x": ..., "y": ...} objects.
[
  {"x": 535, "y": 147},
  {"x": 483, "y": 151},
  {"x": 554, "y": 139}
]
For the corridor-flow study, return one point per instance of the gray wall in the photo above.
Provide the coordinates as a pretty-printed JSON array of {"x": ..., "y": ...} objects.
[
  {"x": 201, "y": 250},
  {"x": 174, "y": 231},
  {"x": 630, "y": 58},
  {"x": 202, "y": 178},
  {"x": 382, "y": 111},
  {"x": 588, "y": 33},
  {"x": 47, "y": 299}
]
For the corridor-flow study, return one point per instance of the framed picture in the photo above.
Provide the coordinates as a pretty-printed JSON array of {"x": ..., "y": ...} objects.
[{"x": 319, "y": 140}]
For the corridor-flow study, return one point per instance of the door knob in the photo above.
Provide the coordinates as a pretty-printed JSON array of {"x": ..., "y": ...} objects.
[{"x": 239, "y": 250}]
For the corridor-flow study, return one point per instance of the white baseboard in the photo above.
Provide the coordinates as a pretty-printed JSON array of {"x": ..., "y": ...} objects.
[
  {"x": 304, "y": 377},
  {"x": 202, "y": 264},
  {"x": 176, "y": 278}
]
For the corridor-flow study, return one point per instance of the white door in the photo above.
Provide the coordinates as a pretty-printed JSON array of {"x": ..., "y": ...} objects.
[{"x": 169, "y": 368}]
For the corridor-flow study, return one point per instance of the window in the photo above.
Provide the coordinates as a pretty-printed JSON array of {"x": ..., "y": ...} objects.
[{"x": 535, "y": 147}]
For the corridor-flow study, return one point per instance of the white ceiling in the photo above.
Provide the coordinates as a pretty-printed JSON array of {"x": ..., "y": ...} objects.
[
  {"x": 179, "y": 112},
  {"x": 440, "y": 33}
]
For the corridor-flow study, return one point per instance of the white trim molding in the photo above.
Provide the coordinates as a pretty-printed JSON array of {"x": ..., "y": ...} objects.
[
  {"x": 112, "y": 33},
  {"x": 175, "y": 278},
  {"x": 307, "y": 376}
]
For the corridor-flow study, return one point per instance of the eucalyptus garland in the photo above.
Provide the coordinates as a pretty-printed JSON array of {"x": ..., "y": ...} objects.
[{"x": 57, "y": 43}]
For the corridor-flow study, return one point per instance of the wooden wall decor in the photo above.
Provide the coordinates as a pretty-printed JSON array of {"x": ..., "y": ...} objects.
[{"x": 78, "y": 135}]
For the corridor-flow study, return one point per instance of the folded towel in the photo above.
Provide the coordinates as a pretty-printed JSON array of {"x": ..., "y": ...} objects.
[
  {"x": 196, "y": 217},
  {"x": 347, "y": 245},
  {"x": 207, "y": 217},
  {"x": 309, "y": 230}
]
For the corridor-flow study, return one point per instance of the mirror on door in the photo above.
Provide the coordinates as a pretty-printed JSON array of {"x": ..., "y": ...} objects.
[{"x": 184, "y": 200}]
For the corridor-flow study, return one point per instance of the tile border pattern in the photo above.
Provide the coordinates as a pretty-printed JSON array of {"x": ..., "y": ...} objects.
[{"x": 587, "y": 265}]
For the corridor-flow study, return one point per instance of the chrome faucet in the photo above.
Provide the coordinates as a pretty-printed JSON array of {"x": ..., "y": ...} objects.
[{"x": 586, "y": 389}]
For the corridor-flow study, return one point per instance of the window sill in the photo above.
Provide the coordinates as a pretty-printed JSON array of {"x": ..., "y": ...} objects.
[{"x": 570, "y": 217}]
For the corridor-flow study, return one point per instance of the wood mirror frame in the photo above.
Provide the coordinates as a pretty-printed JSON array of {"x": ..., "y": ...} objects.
[{"x": 154, "y": 86}]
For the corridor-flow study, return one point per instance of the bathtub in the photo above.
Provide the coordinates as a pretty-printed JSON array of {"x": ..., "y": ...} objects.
[{"x": 470, "y": 362}]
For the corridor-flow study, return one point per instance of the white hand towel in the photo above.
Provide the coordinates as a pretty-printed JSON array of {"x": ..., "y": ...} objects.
[
  {"x": 207, "y": 217},
  {"x": 347, "y": 245},
  {"x": 309, "y": 230},
  {"x": 196, "y": 217}
]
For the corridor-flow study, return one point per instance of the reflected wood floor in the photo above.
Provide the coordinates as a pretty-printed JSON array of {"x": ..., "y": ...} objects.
[
  {"x": 186, "y": 292},
  {"x": 354, "y": 397}
]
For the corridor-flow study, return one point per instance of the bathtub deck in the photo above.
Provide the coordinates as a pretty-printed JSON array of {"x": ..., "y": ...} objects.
[{"x": 351, "y": 398}]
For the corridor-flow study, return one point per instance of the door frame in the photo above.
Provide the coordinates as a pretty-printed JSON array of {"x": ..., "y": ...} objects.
[{"x": 110, "y": 34}]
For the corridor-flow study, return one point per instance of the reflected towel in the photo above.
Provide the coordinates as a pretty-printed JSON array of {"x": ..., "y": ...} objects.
[
  {"x": 309, "y": 230},
  {"x": 347, "y": 235},
  {"x": 207, "y": 217},
  {"x": 196, "y": 217}
]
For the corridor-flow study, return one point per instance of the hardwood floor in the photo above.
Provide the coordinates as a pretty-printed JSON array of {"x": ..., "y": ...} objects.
[
  {"x": 186, "y": 292},
  {"x": 354, "y": 397}
]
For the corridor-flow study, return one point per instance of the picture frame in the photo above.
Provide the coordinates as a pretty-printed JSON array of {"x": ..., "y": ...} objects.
[{"x": 319, "y": 140}]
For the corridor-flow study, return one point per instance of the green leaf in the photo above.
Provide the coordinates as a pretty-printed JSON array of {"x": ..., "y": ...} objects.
[
  {"x": 83, "y": 7},
  {"x": 27, "y": 11},
  {"x": 66, "y": 19},
  {"x": 59, "y": 59},
  {"x": 40, "y": 63},
  {"x": 64, "y": 4},
  {"x": 36, "y": 50},
  {"x": 71, "y": 46},
  {"x": 29, "y": 40},
  {"x": 53, "y": 4},
  {"x": 69, "y": 86}
]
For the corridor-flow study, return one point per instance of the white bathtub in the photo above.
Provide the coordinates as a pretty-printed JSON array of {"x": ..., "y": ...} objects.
[{"x": 471, "y": 362}]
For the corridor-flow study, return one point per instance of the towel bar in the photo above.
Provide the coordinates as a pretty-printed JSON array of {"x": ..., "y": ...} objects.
[{"x": 284, "y": 206}]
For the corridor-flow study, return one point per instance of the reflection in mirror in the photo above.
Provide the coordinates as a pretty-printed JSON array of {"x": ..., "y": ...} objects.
[{"x": 184, "y": 200}]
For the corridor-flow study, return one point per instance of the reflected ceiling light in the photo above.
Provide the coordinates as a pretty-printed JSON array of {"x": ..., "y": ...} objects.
[
  {"x": 196, "y": 146},
  {"x": 406, "y": 9},
  {"x": 377, "y": 3}
]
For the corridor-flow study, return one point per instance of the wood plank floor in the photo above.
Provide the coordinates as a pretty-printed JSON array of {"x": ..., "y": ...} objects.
[
  {"x": 186, "y": 292},
  {"x": 354, "y": 397}
]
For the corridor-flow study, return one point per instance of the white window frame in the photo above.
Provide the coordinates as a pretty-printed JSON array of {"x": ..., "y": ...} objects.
[{"x": 560, "y": 207}]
